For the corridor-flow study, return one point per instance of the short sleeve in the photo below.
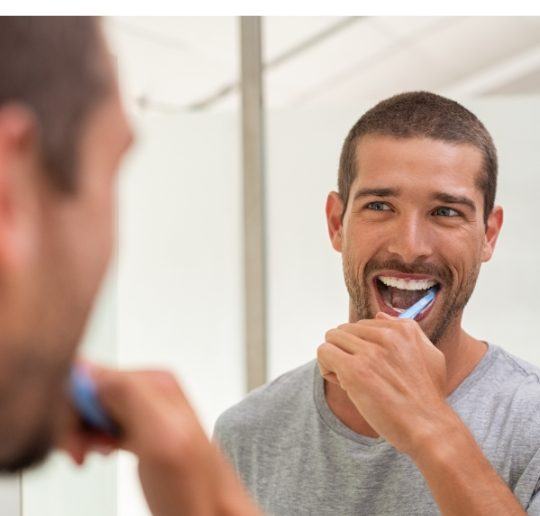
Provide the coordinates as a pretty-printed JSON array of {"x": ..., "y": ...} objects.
[{"x": 533, "y": 508}]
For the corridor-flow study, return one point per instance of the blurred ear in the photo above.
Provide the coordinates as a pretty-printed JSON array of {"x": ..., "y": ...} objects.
[
  {"x": 18, "y": 167},
  {"x": 493, "y": 228},
  {"x": 334, "y": 213}
]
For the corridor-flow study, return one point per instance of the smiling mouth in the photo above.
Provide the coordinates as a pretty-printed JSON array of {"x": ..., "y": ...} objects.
[{"x": 395, "y": 295}]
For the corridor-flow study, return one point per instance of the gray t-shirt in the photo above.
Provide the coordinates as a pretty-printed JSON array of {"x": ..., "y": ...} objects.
[{"x": 297, "y": 458}]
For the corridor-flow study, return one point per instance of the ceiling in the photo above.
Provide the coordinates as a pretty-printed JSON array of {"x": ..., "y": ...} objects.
[{"x": 192, "y": 63}]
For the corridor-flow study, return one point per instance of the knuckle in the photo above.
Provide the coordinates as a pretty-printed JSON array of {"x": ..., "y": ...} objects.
[
  {"x": 361, "y": 367},
  {"x": 374, "y": 360},
  {"x": 362, "y": 374},
  {"x": 166, "y": 377},
  {"x": 328, "y": 335},
  {"x": 387, "y": 337},
  {"x": 321, "y": 350},
  {"x": 406, "y": 323},
  {"x": 116, "y": 386},
  {"x": 347, "y": 327},
  {"x": 409, "y": 327}
]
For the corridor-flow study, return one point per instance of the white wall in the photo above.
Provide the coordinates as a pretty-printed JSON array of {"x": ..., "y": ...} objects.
[
  {"x": 10, "y": 495},
  {"x": 505, "y": 308},
  {"x": 305, "y": 287},
  {"x": 180, "y": 282}
]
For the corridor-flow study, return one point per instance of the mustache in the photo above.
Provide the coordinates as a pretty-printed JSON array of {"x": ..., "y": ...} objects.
[{"x": 443, "y": 274}]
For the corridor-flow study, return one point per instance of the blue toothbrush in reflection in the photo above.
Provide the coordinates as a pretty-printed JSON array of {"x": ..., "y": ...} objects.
[
  {"x": 413, "y": 311},
  {"x": 83, "y": 393}
]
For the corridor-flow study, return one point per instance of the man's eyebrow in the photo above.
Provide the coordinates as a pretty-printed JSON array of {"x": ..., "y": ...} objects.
[
  {"x": 376, "y": 192},
  {"x": 455, "y": 199}
]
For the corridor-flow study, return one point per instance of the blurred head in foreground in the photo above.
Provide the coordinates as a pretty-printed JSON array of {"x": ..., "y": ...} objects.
[{"x": 63, "y": 133}]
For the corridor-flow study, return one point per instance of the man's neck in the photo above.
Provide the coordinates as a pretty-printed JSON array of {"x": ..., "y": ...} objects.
[{"x": 462, "y": 353}]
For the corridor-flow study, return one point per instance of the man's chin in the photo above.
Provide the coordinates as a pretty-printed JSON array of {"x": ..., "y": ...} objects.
[
  {"x": 30, "y": 455},
  {"x": 435, "y": 325}
]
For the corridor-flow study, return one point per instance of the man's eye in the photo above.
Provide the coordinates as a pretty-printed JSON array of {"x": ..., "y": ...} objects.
[
  {"x": 378, "y": 206},
  {"x": 446, "y": 212}
]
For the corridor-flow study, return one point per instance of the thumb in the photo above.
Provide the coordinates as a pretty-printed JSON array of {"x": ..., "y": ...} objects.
[
  {"x": 383, "y": 315},
  {"x": 126, "y": 402}
]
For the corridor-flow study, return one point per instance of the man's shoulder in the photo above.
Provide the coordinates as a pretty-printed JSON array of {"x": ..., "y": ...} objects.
[
  {"x": 271, "y": 402},
  {"x": 519, "y": 365},
  {"x": 512, "y": 370},
  {"x": 526, "y": 376},
  {"x": 513, "y": 386},
  {"x": 507, "y": 419}
]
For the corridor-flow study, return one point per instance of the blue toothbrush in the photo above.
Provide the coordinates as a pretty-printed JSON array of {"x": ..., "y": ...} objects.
[
  {"x": 415, "y": 309},
  {"x": 84, "y": 396}
]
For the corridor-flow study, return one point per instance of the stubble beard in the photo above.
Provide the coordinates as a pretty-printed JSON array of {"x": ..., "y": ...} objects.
[
  {"x": 455, "y": 299},
  {"x": 30, "y": 407}
]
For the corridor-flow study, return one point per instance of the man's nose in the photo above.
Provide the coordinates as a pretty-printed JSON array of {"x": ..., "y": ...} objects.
[{"x": 410, "y": 239}]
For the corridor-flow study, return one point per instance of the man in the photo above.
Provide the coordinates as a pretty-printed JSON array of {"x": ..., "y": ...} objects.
[
  {"x": 400, "y": 416},
  {"x": 63, "y": 133}
]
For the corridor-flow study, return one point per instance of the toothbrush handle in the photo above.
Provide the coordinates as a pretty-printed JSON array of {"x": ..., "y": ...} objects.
[
  {"x": 84, "y": 396},
  {"x": 415, "y": 309}
]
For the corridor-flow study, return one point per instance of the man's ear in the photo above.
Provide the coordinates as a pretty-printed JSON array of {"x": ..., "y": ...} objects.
[
  {"x": 18, "y": 203},
  {"x": 334, "y": 215},
  {"x": 493, "y": 229}
]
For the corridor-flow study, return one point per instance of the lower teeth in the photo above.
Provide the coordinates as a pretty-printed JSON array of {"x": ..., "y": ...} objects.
[{"x": 399, "y": 310}]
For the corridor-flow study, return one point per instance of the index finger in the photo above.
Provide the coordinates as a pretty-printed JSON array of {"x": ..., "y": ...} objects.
[
  {"x": 331, "y": 360},
  {"x": 376, "y": 331}
]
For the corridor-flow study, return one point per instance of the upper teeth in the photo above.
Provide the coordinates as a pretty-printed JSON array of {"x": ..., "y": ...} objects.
[{"x": 407, "y": 284}]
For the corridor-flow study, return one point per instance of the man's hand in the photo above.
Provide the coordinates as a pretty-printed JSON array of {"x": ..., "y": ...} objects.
[
  {"x": 396, "y": 378},
  {"x": 392, "y": 373},
  {"x": 181, "y": 472}
]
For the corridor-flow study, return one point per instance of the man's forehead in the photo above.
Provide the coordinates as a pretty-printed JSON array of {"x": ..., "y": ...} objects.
[{"x": 381, "y": 158}]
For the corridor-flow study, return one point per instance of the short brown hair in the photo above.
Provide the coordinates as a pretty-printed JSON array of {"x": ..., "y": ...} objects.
[
  {"x": 54, "y": 66},
  {"x": 422, "y": 114}
]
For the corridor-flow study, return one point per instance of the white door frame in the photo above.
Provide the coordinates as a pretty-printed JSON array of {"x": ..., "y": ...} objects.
[{"x": 11, "y": 495}]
